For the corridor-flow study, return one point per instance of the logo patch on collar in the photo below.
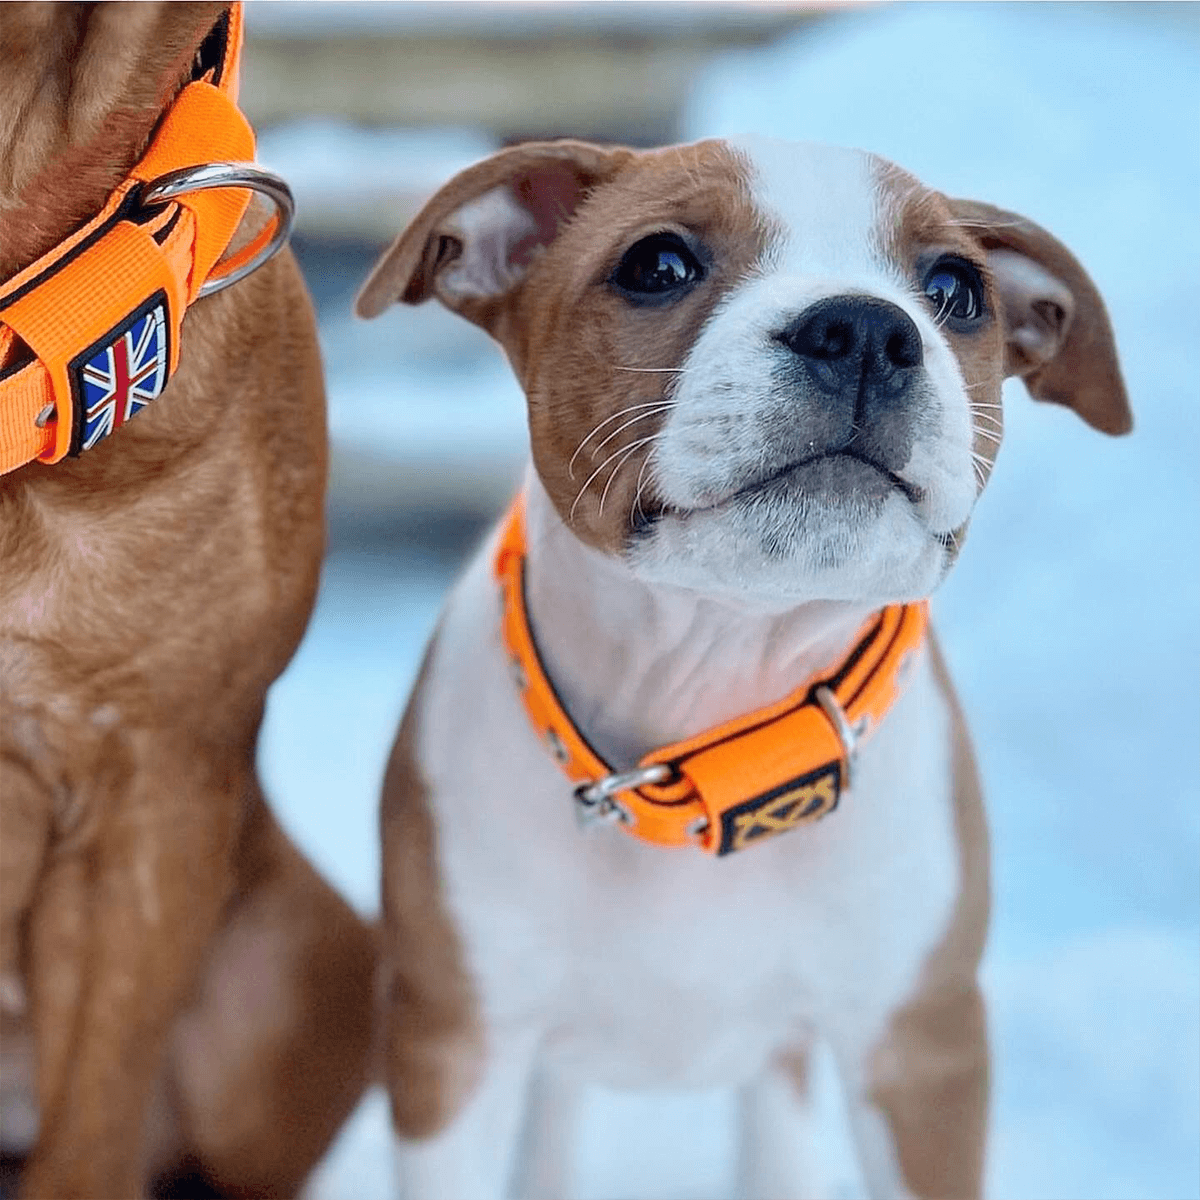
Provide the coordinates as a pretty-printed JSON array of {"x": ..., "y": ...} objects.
[
  {"x": 118, "y": 375},
  {"x": 782, "y": 808}
]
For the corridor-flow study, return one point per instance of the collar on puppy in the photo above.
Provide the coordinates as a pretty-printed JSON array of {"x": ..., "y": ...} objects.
[
  {"x": 737, "y": 783},
  {"x": 89, "y": 333}
]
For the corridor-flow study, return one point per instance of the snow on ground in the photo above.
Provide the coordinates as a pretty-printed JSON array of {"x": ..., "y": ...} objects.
[{"x": 1071, "y": 621}]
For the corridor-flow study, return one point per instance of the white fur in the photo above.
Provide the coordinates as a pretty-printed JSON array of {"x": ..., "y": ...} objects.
[
  {"x": 826, "y": 209},
  {"x": 618, "y": 963},
  {"x": 487, "y": 227}
]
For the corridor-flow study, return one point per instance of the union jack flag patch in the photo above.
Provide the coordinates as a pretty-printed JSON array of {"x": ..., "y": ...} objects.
[{"x": 120, "y": 374}]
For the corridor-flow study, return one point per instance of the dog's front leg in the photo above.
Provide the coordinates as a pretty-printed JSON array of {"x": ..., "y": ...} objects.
[
  {"x": 544, "y": 1169},
  {"x": 122, "y": 926},
  {"x": 274, "y": 1048},
  {"x": 920, "y": 1098},
  {"x": 922, "y": 1107},
  {"x": 787, "y": 1148},
  {"x": 473, "y": 1156},
  {"x": 24, "y": 834},
  {"x": 917, "y": 1097}
]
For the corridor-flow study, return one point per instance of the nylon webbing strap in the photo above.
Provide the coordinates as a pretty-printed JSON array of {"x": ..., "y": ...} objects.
[
  {"x": 737, "y": 783},
  {"x": 89, "y": 333}
]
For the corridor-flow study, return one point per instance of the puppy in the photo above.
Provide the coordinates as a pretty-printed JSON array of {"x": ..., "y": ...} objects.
[
  {"x": 179, "y": 990},
  {"x": 763, "y": 386}
]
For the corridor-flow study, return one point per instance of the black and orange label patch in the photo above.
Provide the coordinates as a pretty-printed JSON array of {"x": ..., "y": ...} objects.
[{"x": 804, "y": 798}]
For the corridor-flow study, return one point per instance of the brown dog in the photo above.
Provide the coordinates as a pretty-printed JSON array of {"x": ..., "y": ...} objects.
[{"x": 177, "y": 984}]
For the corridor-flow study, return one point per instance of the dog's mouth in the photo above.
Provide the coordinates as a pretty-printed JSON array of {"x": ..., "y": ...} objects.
[
  {"x": 846, "y": 467},
  {"x": 840, "y": 474}
]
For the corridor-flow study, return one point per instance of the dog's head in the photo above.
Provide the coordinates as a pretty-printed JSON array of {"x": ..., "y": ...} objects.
[{"x": 765, "y": 371}]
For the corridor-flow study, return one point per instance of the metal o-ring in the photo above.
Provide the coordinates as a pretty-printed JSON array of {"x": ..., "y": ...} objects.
[{"x": 235, "y": 175}]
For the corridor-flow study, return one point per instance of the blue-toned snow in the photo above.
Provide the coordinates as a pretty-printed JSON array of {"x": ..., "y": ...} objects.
[{"x": 1071, "y": 621}]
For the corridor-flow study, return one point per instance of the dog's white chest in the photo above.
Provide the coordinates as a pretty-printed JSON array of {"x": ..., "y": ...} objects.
[{"x": 644, "y": 966}]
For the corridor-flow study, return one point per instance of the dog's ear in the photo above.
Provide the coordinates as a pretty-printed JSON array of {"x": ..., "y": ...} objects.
[
  {"x": 474, "y": 241},
  {"x": 1058, "y": 338}
]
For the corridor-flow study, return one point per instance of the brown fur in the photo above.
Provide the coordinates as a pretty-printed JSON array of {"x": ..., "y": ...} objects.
[
  {"x": 83, "y": 87},
  {"x": 1081, "y": 369},
  {"x": 150, "y": 592},
  {"x": 579, "y": 351},
  {"x": 923, "y": 228},
  {"x": 431, "y": 1033}
]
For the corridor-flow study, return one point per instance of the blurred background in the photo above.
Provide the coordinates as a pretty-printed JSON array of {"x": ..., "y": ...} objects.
[{"x": 1071, "y": 621}]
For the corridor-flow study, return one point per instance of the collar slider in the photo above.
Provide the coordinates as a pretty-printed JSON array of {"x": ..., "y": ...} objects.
[{"x": 846, "y": 733}]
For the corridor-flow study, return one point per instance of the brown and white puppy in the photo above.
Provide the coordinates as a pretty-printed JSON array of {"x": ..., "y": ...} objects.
[
  {"x": 179, "y": 988},
  {"x": 764, "y": 391}
]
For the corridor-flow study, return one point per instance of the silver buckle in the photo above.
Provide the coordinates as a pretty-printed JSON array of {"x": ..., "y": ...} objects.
[
  {"x": 596, "y": 803},
  {"x": 846, "y": 733},
  {"x": 235, "y": 175}
]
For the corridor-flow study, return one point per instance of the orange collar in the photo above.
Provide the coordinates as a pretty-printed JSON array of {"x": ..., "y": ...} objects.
[
  {"x": 734, "y": 784},
  {"x": 89, "y": 333}
]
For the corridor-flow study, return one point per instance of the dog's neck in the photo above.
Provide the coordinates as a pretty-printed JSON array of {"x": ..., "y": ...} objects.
[{"x": 638, "y": 667}]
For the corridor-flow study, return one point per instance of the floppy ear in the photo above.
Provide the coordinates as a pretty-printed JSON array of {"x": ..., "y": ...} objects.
[
  {"x": 474, "y": 242},
  {"x": 1058, "y": 336}
]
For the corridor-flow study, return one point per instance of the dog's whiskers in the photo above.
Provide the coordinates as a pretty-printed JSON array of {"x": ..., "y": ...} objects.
[
  {"x": 982, "y": 467},
  {"x": 970, "y": 387},
  {"x": 616, "y": 454},
  {"x": 608, "y": 420},
  {"x": 654, "y": 412},
  {"x": 968, "y": 223},
  {"x": 654, "y": 370},
  {"x": 626, "y": 454},
  {"x": 635, "y": 509}
]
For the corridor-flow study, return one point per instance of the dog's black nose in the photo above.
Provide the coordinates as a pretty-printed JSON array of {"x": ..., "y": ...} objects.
[{"x": 852, "y": 343}]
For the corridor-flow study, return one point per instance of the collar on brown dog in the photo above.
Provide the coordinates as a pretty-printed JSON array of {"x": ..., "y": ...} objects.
[
  {"x": 89, "y": 333},
  {"x": 737, "y": 783}
]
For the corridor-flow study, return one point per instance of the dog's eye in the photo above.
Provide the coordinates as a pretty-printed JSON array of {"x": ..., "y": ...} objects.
[
  {"x": 955, "y": 289},
  {"x": 657, "y": 266}
]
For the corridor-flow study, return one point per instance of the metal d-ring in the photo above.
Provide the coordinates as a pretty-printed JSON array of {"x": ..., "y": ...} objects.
[
  {"x": 235, "y": 175},
  {"x": 597, "y": 802}
]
